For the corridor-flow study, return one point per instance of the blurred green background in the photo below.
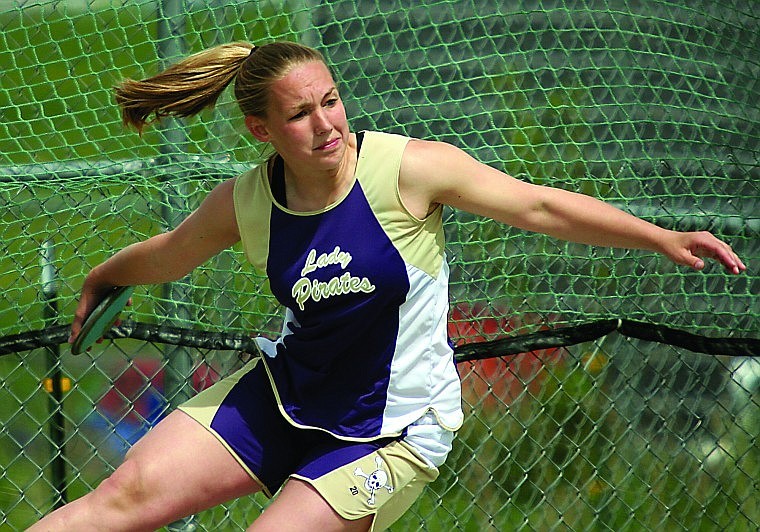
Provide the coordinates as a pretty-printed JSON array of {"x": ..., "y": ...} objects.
[{"x": 653, "y": 107}]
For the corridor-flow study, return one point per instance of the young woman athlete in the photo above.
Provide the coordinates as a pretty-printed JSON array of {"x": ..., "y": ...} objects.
[{"x": 352, "y": 409}]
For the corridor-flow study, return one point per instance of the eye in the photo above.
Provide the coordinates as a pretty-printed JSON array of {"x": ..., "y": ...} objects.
[
  {"x": 331, "y": 102},
  {"x": 298, "y": 115}
]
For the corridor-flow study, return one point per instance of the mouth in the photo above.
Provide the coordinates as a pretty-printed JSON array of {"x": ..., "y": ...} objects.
[{"x": 330, "y": 144}]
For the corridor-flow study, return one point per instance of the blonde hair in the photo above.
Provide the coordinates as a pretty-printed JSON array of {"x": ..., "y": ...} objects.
[{"x": 196, "y": 82}]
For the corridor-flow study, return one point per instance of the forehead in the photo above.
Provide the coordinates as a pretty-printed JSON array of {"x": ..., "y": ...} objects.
[{"x": 301, "y": 85}]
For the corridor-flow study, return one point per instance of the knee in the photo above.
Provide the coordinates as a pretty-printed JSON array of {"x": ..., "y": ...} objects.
[{"x": 124, "y": 490}]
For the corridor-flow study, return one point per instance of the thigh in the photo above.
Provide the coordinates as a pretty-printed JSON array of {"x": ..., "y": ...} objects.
[
  {"x": 179, "y": 464},
  {"x": 241, "y": 410},
  {"x": 300, "y": 508}
]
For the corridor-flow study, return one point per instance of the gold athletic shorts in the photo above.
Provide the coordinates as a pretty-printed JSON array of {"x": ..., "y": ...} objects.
[{"x": 382, "y": 477}]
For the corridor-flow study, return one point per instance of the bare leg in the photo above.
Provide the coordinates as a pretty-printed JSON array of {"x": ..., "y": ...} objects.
[
  {"x": 299, "y": 508},
  {"x": 175, "y": 470}
]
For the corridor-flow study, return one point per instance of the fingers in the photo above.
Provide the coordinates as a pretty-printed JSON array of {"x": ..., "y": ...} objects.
[
  {"x": 730, "y": 260},
  {"x": 705, "y": 245},
  {"x": 88, "y": 300},
  {"x": 76, "y": 324},
  {"x": 734, "y": 265}
]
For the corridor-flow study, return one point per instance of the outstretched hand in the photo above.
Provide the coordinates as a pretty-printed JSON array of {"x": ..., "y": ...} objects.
[{"x": 691, "y": 248}]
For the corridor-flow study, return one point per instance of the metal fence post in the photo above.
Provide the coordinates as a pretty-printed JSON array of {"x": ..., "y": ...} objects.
[
  {"x": 179, "y": 363},
  {"x": 54, "y": 383}
]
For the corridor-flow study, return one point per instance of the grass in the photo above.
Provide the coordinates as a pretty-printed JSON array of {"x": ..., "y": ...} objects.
[{"x": 60, "y": 67}]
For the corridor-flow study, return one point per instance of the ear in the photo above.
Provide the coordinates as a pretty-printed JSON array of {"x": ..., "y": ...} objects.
[{"x": 257, "y": 128}]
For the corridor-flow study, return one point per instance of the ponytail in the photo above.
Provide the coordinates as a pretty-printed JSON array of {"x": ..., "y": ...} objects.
[
  {"x": 184, "y": 89},
  {"x": 196, "y": 82}
]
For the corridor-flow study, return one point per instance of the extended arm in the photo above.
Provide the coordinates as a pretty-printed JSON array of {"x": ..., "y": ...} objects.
[
  {"x": 438, "y": 173},
  {"x": 165, "y": 257}
]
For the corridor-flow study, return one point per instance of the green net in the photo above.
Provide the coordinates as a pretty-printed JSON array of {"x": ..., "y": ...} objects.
[{"x": 651, "y": 106}]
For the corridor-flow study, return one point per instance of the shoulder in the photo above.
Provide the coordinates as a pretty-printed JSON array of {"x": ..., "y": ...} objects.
[
  {"x": 252, "y": 184},
  {"x": 221, "y": 198},
  {"x": 422, "y": 155},
  {"x": 424, "y": 170},
  {"x": 440, "y": 173},
  {"x": 250, "y": 177},
  {"x": 422, "y": 146},
  {"x": 380, "y": 144},
  {"x": 435, "y": 165}
]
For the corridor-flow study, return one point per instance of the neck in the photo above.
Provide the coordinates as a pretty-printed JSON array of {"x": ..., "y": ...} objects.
[{"x": 312, "y": 191}]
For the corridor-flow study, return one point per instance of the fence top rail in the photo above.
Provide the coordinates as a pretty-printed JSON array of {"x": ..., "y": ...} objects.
[{"x": 161, "y": 168}]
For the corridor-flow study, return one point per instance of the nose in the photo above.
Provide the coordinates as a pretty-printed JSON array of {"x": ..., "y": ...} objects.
[{"x": 321, "y": 122}]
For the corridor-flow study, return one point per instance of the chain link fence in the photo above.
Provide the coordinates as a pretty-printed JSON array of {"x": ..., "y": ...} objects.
[{"x": 651, "y": 106}]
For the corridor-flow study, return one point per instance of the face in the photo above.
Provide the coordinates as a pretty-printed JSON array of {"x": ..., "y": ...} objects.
[{"x": 306, "y": 121}]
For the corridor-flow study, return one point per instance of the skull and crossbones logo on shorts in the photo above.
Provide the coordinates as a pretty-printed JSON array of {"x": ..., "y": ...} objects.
[{"x": 375, "y": 481}]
